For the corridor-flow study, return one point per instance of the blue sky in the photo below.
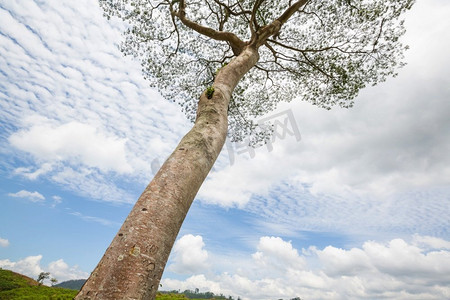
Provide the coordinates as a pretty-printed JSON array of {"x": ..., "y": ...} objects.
[{"x": 358, "y": 207}]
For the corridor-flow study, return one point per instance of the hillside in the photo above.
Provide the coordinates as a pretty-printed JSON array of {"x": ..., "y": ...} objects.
[
  {"x": 10, "y": 280},
  {"x": 19, "y": 287}
]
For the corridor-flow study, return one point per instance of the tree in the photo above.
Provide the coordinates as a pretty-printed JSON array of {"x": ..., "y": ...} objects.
[
  {"x": 242, "y": 57},
  {"x": 42, "y": 276},
  {"x": 53, "y": 281}
]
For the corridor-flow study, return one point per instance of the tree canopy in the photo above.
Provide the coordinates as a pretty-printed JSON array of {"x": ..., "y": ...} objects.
[{"x": 324, "y": 53}]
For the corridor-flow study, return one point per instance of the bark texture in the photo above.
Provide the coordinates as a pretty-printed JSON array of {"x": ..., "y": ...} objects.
[{"x": 133, "y": 264}]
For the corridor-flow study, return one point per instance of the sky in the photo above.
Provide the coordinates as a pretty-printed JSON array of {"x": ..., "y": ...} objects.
[{"x": 343, "y": 204}]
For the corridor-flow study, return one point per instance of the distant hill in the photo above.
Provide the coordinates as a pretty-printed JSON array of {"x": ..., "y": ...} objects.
[{"x": 71, "y": 284}]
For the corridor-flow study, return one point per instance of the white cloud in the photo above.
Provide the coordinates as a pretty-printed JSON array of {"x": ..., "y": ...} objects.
[
  {"x": 431, "y": 242},
  {"x": 31, "y": 196},
  {"x": 399, "y": 258},
  {"x": 234, "y": 185},
  {"x": 377, "y": 270},
  {"x": 72, "y": 101},
  {"x": 31, "y": 267},
  {"x": 32, "y": 175},
  {"x": 92, "y": 184},
  {"x": 342, "y": 262},
  {"x": 290, "y": 209},
  {"x": 4, "y": 243},
  {"x": 275, "y": 254},
  {"x": 56, "y": 200},
  {"x": 189, "y": 255},
  {"x": 193, "y": 282},
  {"x": 73, "y": 142},
  {"x": 60, "y": 270}
]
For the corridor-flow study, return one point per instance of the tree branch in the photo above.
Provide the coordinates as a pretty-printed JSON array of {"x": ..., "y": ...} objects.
[
  {"x": 291, "y": 10},
  {"x": 253, "y": 23},
  {"x": 231, "y": 11},
  {"x": 236, "y": 43},
  {"x": 273, "y": 28},
  {"x": 338, "y": 48}
]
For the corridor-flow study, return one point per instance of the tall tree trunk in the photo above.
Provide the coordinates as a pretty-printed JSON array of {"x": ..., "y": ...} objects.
[{"x": 132, "y": 266}]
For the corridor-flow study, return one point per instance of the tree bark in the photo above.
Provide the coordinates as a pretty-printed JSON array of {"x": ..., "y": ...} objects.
[{"x": 132, "y": 266}]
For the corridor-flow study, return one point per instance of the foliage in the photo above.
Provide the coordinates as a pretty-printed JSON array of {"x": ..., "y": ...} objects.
[
  {"x": 53, "y": 281},
  {"x": 42, "y": 276},
  {"x": 324, "y": 53},
  {"x": 170, "y": 296},
  {"x": 209, "y": 92}
]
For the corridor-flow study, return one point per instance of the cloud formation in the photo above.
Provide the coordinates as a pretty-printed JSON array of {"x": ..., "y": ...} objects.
[
  {"x": 274, "y": 254},
  {"x": 31, "y": 196},
  {"x": 189, "y": 255},
  {"x": 60, "y": 270},
  {"x": 29, "y": 266},
  {"x": 74, "y": 143},
  {"x": 4, "y": 243},
  {"x": 396, "y": 269},
  {"x": 71, "y": 103}
]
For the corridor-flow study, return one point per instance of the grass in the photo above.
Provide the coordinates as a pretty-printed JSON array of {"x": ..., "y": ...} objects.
[{"x": 20, "y": 287}]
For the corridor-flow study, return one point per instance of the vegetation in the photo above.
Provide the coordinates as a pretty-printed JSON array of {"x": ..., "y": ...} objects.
[
  {"x": 19, "y": 287},
  {"x": 38, "y": 293},
  {"x": 42, "y": 276},
  {"x": 10, "y": 280},
  {"x": 170, "y": 296},
  {"x": 188, "y": 294}
]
